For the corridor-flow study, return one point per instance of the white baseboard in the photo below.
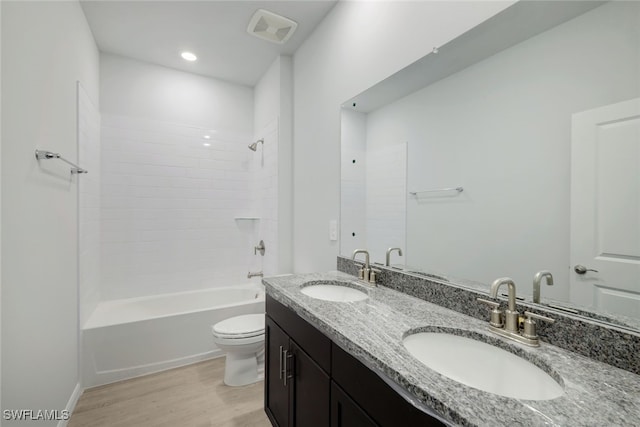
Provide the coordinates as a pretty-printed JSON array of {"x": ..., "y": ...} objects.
[
  {"x": 71, "y": 404},
  {"x": 95, "y": 379}
]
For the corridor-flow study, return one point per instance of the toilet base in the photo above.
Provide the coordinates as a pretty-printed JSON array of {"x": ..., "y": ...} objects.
[{"x": 244, "y": 368}]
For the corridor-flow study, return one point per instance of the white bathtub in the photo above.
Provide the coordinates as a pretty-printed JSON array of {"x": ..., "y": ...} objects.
[{"x": 131, "y": 337}]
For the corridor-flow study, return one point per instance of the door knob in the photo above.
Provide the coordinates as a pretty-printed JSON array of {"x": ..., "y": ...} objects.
[{"x": 581, "y": 269}]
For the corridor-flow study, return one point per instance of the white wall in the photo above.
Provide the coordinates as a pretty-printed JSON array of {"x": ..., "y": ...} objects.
[
  {"x": 273, "y": 121},
  {"x": 168, "y": 202},
  {"x": 138, "y": 89},
  {"x": 373, "y": 210},
  {"x": 263, "y": 177},
  {"x": 354, "y": 47},
  {"x": 46, "y": 48},
  {"x": 285, "y": 167},
  {"x": 502, "y": 130},
  {"x": 386, "y": 200},
  {"x": 89, "y": 206},
  {"x": 353, "y": 178}
]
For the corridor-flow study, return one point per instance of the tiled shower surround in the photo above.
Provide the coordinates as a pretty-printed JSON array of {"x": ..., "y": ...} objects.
[
  {"x": 609, "y": 344},
  {"x": 169, "y": 202}
]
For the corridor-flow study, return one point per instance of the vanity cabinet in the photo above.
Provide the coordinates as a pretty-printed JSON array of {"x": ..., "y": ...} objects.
[
  {"x": 297, "y": 363},
  {"x": 311, "y": 382}
]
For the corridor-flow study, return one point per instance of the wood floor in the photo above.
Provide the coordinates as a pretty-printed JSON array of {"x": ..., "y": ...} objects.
[{"x": 190, "y": 396}]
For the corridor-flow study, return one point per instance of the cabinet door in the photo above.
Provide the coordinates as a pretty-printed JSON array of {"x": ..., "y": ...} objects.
[
  {"x": 276, "y": 394},
  {"x": 311, "y": 388},
  {"x": 375, "y": 396},
  {"x": 345, "y": 412}
]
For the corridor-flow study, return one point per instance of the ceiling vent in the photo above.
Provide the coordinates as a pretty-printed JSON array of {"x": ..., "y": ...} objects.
[{"x": 271, "y": 27}]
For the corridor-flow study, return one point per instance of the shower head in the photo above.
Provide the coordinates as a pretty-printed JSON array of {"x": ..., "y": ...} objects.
[{"x": 254, "y": 146}]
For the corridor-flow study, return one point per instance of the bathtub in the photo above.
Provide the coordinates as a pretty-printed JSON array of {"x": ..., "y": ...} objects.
[{"x": 136, "y": 336}]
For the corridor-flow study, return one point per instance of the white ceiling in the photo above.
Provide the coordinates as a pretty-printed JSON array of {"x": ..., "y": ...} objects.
[{"x": 157, "y": 31}]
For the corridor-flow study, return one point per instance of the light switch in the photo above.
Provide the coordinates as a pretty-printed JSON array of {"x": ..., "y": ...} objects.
[{"x": 333, "y": 230}]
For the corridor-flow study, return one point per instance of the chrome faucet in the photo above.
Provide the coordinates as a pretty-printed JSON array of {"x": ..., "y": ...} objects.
[
  {"x": 536, "y": 283},
  {"x": 256, "y": 274},
  {"x": 389, "y": 254},
  {"x": 366, "y": 273},
  {"x": 511, "y": 327},
  {"x": 510, "y": 314}
]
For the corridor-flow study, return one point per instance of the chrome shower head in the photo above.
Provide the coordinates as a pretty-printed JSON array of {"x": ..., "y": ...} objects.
[{"x": 254, "y": 146}]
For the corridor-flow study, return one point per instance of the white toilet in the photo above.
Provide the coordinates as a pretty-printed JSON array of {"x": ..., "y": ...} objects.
[{"x": 242, "y": 339}]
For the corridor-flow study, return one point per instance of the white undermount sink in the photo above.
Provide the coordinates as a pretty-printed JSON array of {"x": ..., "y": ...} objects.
[
  {"x": 333, "y": 291},
  {"x": 482, "y": 366}
]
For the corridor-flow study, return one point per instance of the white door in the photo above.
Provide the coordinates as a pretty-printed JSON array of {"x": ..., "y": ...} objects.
[{"x": 605, "y": 208}]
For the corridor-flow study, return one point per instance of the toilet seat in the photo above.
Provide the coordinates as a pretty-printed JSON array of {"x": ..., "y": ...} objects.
[{"x": 240, "y": 327}]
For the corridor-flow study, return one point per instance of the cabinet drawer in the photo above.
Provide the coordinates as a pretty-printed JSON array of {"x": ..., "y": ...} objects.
[
  {"x": 373, "y": 395},
  {"x": 311, "y": 340}
]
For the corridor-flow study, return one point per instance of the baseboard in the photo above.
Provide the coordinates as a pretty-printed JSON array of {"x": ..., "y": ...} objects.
[
  {"x": 107, "y": 377},
  {"x": 71, "y": 404}
]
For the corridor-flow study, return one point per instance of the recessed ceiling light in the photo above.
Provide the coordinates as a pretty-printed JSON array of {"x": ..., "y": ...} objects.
[
  {"x": 207, "y": 137},
  {"x": 188, "y": 56},
  {"x": 206, "y": 144}
]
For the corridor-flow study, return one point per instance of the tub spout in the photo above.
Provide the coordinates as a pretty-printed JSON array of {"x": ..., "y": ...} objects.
[{"x": 256, "y": 274}]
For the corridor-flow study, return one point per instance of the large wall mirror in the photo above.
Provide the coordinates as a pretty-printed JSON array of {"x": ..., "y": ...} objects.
[{"x": 513, "y": 149}]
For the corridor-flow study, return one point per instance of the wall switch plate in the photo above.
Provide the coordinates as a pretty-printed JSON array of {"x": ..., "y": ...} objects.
[{"x": 333, "y": 230}]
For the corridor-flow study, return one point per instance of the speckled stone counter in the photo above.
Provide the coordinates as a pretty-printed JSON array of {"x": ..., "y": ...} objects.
[
  {"x": 602, "y": 342},
  {"x": 372, "y": 330}
]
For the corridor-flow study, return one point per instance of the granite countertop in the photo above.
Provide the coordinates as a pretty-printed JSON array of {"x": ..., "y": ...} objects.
[{"x": 596, "y": 394}]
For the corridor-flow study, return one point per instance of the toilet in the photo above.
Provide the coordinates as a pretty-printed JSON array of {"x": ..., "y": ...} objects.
[{"x": 242, "y": 339}]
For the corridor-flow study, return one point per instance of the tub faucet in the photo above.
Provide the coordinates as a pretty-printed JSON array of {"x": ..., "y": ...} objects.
[
  {"x": 389, "y": 254},
  {"x": 256, "y": 274},
  {"x": 510, "y": 314},
  {"x": 364, "y": 272},
  {"x": 536, "y": 283}
]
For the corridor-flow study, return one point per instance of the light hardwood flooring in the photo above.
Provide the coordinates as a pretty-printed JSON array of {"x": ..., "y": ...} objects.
[{"x": 190, "y": 396}]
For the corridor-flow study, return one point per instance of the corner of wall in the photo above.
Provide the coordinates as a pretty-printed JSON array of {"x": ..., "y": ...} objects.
[
  {"x": 40, "y": 201},
  {"x": 71, "y": 404},
  {"x": 285, "y": 167}
]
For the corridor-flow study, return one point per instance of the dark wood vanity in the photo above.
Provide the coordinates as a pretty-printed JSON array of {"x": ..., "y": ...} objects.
[{"x": 310, "y": 381}]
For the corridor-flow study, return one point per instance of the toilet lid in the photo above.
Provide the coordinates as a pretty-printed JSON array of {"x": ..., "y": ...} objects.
[{"x": 241, "y": 326}]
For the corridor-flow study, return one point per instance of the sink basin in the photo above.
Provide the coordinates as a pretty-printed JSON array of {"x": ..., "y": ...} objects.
[
  {"x": 333, "y": 291},
  {"x": 482, "y": 366}
]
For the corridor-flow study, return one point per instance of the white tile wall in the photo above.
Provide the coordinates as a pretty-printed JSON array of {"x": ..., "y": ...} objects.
[
  {"x": 168, "y": 207},
  {"x": 264, "y": 195},
  {"x": 386, "y": 200},
  {"x": 89, "y": 205}
]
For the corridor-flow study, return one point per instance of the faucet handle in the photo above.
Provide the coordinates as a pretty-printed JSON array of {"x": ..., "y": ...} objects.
[
  {"x": 531, "y": 315},
  {"x": 373, "y": 273},
  {"x": 530, "y": 325},
  {"x": 496, "y": 314}
]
